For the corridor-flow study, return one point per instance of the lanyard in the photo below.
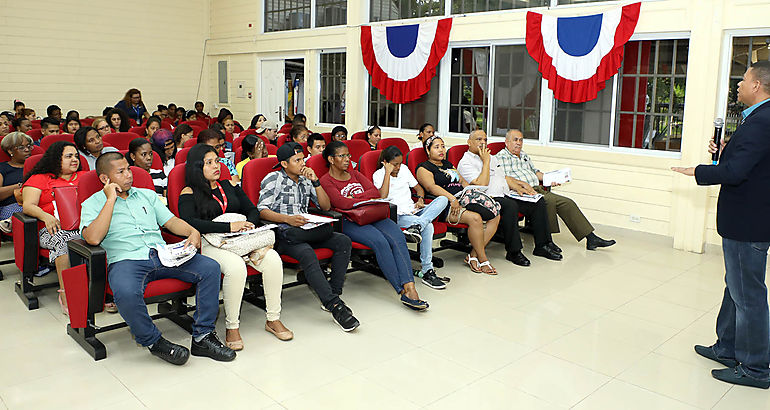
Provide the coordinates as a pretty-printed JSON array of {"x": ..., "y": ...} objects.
[{"x": 224, "y": 197}]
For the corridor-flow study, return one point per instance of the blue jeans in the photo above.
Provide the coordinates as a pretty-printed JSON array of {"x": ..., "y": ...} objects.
[
  {"x": 424, "y": 218},
  {"x": 743, "y": 324},
  {"x": 389, "y": 246},
  {"x": 129, "y": 278}
]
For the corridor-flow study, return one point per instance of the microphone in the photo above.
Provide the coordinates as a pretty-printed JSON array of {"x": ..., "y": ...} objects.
[{"x": 718, "y": 124}]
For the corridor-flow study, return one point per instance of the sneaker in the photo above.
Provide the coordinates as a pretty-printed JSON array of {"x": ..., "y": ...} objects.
[
  {"x": 170, "y": 352},
  {"x": 5, "y": 225},
  {"x": 211, "y": 346},
  {"x": 42, "y": 271},
  {"x": 412, "y": 234},
  {"x": 325, "y": 309},
  {"x": 429, "y": 278},
  {"x": 343, "y": 317}
]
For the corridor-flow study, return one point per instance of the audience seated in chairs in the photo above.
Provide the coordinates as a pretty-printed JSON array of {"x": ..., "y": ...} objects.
[
  {"x": 153, "y": 124},
  {"x": 395, "y": 181},
  {"x": 339, "y": 133},
  {"x": 217, "y": 140},
  {"x": 71, "y": 125},
  {"x": 90, "y": 145},
  {"x": 140, "y": 155},
  {"x": 373, "y": 136},
  {"x": 258, "y": 121},
  {"x": 101, "y": 126},
  {"x": 110, "y": 218},
  {"x": 315, "y": 144},
  {"x": 479, "y": 167},
  {"x": 48, "y": 126},
  {"x": 426, "y": 131},
  {"x": 18, "y": 146},
  {"x": 440, "y": 178},
  {"x": 182, "y": 134},
  {"x": 163, "y": 144},
  {"x": 118, "y": 120},
  {"x": 299, "y": 134},
  {"x": 252, "y": 147},
  {"x": 206, "y": 198},
  {"x": 284, "y": 197},
  {"x": 347, "y": 187},
  {"x": 22, "y": 124},
  {"x": 516, "y": 164},
  {"x": 58, "y": 167}
]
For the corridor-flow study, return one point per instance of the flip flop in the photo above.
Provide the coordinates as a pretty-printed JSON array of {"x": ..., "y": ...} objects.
[{"x": 469, "y": 259}]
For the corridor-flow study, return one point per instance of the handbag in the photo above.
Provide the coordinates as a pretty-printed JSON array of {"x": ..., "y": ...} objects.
[
  {"x": 252, "y": 246},
  {"x": 366, "y": 214},
  {"x": 478, "y": 197},
  {"x": 66, "y": 207}
]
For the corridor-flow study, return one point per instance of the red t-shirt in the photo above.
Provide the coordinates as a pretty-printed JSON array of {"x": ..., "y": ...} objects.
[
  {"x": 46, "y": 183},
  {"x": 345, "y": 194}
]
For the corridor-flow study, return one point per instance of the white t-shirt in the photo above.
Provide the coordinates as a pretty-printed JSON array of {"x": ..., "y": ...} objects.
[
  {"x": 470, "y": 166},
  {"x": 399, "y": 192}
]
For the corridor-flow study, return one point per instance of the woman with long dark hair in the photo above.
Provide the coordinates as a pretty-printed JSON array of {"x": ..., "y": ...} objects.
[
  {"x": 140, "y": 155},
  {"x": 257, "y": 122},
  {"x": 153, "y": 124},
  {"x": 59, "y": 167},
  {"x": 182, "y": 134},
  {"x": 205, "y": 198},
  {"x": 348, "y": 187},
  {"x": 118, "y": 120},
  {"x": 133, "y": 106},
  {"x": 252, "y": 147},
  {"x": 71, "y": 125}
]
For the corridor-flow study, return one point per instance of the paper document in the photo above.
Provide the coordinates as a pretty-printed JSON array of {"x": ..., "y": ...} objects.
[
  {"x": 315, "y": 220},
  {"x": 257, "y": 229},
  {"x": 172, "y": 255},
  {"x": 559, "y": 177},
  {"x": 370, "y": 201},
  {"x": 525, "y": 197}
]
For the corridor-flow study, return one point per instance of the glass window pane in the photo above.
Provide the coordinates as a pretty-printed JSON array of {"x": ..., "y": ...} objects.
[
  {"x": 332, "y": 93},
  {"x": 587, "y": 122},
  {"x": 423, "y": 110},
  {"x": 561, "y": 2},
  {"x": 382, "y": 10},
  {"x": 331, "y": 13},
  {"x": 746, "y": 50},
  {"x": 287, "y": 15},
  {"x": 517, "y": 92},
  {"x": 470, "y": 87},
  {"x": 474, "y": 6}
]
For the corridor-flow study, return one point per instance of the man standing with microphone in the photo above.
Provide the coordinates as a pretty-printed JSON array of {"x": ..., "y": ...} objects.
[{"x": 743, "y": 222}]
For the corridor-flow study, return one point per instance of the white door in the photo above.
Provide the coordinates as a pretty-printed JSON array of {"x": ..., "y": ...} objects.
[{"x": 273, "y": 90}]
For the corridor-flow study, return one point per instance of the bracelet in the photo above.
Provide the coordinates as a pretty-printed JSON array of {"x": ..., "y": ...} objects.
[
  {"x": 420, "y": 197},
  {"x": 316, "y": 183}
]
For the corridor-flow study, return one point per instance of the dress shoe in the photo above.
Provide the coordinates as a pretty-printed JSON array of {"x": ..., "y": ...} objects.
[
  {"x": 709, "y": 353},
  {"x": 593, "y": 242},
  {"x": 170, "y": 352},
  {"x": 547, "y": 253},
  {"x": 552, "y": 246},
  {"x": 735, "y": 376},
  {"x": 284, "y": 335},
  {"x": 211, "y": 346},
  {"x": 517, "y": 258}
]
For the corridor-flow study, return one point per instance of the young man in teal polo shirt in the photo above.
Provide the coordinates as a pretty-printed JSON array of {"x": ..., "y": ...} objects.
[{"x": 125, "y": 222}]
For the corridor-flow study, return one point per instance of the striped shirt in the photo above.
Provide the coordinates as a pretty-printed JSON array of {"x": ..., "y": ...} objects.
[
  {"x": 281, "y": 194},
  {"x": 520, "y": 168}
]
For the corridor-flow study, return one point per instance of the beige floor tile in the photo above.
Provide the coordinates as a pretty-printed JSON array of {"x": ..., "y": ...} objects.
[
  {"x": 679, "y": 380},
  {"x": 741, "y": 397},
  {"x": 551, "y": 379},
  {"x": 688, "y": 296},
  {"x": 598, "y": 353},
  {"x": 420, "y": 328},
  {"x": 352, "y": 392},
  {"x": 628, "y": 329},
  {"x": 621, "y": 395},
  {"x": 647, "y": 269},
  {"x": 681, "y": 347},
  {"x": 523, "y": 328},
  {"x": 474, "y": 350},
  {"x": 563, "y": 309},
  {"x": 131, "y": 404},
  {"x": 662, "y": 312},
  {"x": 41, "y": 359},
  {"x": 490, "y": 394}
]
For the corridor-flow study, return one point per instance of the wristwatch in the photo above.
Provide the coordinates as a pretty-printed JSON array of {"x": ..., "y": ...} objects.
[{"x": 316, "y": 183}]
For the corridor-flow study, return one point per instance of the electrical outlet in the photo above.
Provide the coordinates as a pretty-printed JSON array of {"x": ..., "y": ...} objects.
[{"x": 635, "y": 219}]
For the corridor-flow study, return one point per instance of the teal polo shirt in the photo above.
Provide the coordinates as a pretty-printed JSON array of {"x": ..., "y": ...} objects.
[{"x": 134, "y": 228}]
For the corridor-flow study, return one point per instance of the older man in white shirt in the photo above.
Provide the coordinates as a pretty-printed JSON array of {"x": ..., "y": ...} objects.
[{"x": 479, "y": 167}]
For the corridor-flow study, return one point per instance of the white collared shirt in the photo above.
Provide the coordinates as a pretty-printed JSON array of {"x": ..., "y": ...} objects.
[{"x": 470, "y": 167}]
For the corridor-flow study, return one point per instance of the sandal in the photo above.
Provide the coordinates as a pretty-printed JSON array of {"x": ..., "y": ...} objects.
[
  {"x": 64, "y": 310},
  {"x": 236, "y": 345},
  {"x": 486, "y": 263},
  {"x": 469, "y": 260},
  {"x": 111, "y": 307}
]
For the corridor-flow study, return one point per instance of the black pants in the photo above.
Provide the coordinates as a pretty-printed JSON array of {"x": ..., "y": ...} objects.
[
  {"x": 327, "y": 291},
  {"x": 509, "y": 221}
]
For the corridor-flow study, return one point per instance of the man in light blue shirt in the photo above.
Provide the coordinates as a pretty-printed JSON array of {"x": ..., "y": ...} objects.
[{"x": 125, "y": 222}]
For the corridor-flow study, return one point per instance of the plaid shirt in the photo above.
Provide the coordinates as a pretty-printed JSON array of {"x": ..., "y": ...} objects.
[
  {"x": 281, "y": 194},
  {"x": 520, "y": 168}
]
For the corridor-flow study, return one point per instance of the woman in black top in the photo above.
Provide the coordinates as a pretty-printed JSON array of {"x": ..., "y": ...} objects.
[
  {"x": 18, "y": 146},
  {"x": 440, "y": 178},
  {"x": 203, "y": 199}
]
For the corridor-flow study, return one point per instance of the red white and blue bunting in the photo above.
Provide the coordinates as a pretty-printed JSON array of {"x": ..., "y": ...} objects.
[
  {"x": 577, "y": 55},
  {"x": 402, "y": 59}
]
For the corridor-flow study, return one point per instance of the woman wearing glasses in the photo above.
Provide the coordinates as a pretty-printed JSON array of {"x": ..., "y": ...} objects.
[
  {"x": 18, "y": 146},
  {"x": 89, "y": 143},
  {"x": 102, "y": 126}
]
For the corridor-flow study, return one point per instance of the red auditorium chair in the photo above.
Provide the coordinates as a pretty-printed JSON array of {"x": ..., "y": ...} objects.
[
  {"x": 196, "y": 123},
  {"x": 285, "y": 128},
  {"x": 132, "y": 122},
  {"x": 190, "y": 143},
  {"x": 181, "y": 155},
  {"x": 120, "y": 140},
  {"x": 50, "y": 139},
  {"x": 35, "y": 124},
  {"x": 35, "y": 134},
  {"x": 86, "y": 122},
  {"x": 167, "y": 123},
  {"x": 140, "y": 131},
  {"x": 271, "y": 149},
  {"x": 369, "y": 162},
  {"x": 495, "y": 147},
  {"x": 246, "y": 132},
  {"x": 196, "y": 130},
  {"x": 357, "y": 148},
  {"x": 360, "y": 135},
  {"x": 455, "y": 153},
  {"x": 88, "y": 280},
  {"x": 398, "y": 142}
]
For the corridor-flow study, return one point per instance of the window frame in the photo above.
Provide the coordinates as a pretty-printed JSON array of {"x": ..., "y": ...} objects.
[
  {"x": 313, "y": 26},
  {"x": 318, "y": 81}
]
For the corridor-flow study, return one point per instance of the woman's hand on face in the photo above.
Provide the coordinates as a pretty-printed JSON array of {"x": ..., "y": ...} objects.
[
  {"x": 241, "y": 226},
  {"x": 388, "y": 167}
]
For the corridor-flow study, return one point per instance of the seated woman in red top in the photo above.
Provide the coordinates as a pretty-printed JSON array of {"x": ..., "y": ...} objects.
[
  {"x": 346, "y": 188},
  {"x": 59, "y": 167}
]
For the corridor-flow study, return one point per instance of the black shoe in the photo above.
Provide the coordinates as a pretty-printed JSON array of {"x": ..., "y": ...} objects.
[
  {"x": 429, "y": 278},
  {"x": 709, "y": 353},
  {"x": 547, "y": 253},
  {"x": 170, "y": 352},
  {"x": 211, "y": 346},
  {"x": 593, "y": 242},
  {"x": 517, "y": 258},
  {"x": 412, "y": 234},
  {"x": 343, "y": 317},
  {"x": 552, "y": 246},
  {"x": 735, "y": 376}
]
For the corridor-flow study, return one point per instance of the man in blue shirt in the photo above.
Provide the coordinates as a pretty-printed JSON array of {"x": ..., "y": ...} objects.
[
  {"x": 125, "y": 222},
  {"x": 743, "y": 172}
]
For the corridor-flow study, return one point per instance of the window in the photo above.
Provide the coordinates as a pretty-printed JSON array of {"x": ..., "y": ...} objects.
[
  {"x": 516, "y": 101},
  {"x": 746, "y": 51},
  {"x": 332, "y": 98},
  {"x": 649, "y": 106},
  {"x": 408, "y": 116},
  {"x": 562, "y": 2},
  {"x": 472, "y": 6},
  {"x": 382, "y": 10},
  {"x": 222, "y": 81},
  {"x": 296, "y": 14},
  {"x": 469, "y": 89}
]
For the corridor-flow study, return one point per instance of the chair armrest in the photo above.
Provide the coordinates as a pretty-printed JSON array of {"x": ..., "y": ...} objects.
[
  {"x": 393, "y": 212},
  {"x": 337, "y": 225},
  {"x": 95, "y": 259},
  {"x": 26, "y": 242}
]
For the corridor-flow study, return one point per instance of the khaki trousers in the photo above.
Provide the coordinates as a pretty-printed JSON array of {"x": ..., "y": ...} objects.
[{"x": 569, "y": 212}]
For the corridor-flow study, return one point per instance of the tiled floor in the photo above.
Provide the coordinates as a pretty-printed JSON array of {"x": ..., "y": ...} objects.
[{"x": 611, "y": 329}]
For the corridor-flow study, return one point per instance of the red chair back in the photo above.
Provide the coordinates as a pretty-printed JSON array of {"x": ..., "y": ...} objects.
[
  {"x": 190, "y": 143},
  {"x": 285, "y": 128},
  {"x": 120, "y": 140},
  {"x": 228, "y": 137},
  {"x": 167, "y": 123},
  {"x": 368, "y": 163},
  {"x": 181, "y": 155},
  {"x": 398, "y": 142},
  {"x": 48, "y": 140},
  {"x": 4, "y": 156},
  {"x": 244, "y": 133},
  {"x": 357, "y": 148},
  {"x": 176, "y": 182},
  {"x": 456, "y": 153},
  {"x": 271, "y": 149},
  {"x": 415, "y": 158},
  {"x": 327, "y": 137},
  {"x": 318, "y": 164},
  {"x": 132, "y": 122},
  {"x": 90, "y": 183},
  {"x": 196, "y": 130},
  {"x": 36, "y": 150},
  {"x": 360, "y": 135},
  {"x": 140, "y": 131},
  {"x": 156, "y": 161},
  {"x": 196, "y": 123},
  {"x": 35, "y": 123},
  {"x": 86, "y": 122},
  {"x": 253, "y": 174},
  {"x": 35, "y": 134},
  {"x": 495, "y": 147}
]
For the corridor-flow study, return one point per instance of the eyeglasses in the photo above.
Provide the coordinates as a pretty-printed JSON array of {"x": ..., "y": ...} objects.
[
  {"x": 219, "y": 147},
  {"x": 343, "y": 156},
  {"x": 25, "y": 147},
  {"x": 103, "y": 128}
]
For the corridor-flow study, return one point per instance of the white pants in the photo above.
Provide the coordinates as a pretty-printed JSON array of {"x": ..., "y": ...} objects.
[{"x": 234, "y": 271}]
